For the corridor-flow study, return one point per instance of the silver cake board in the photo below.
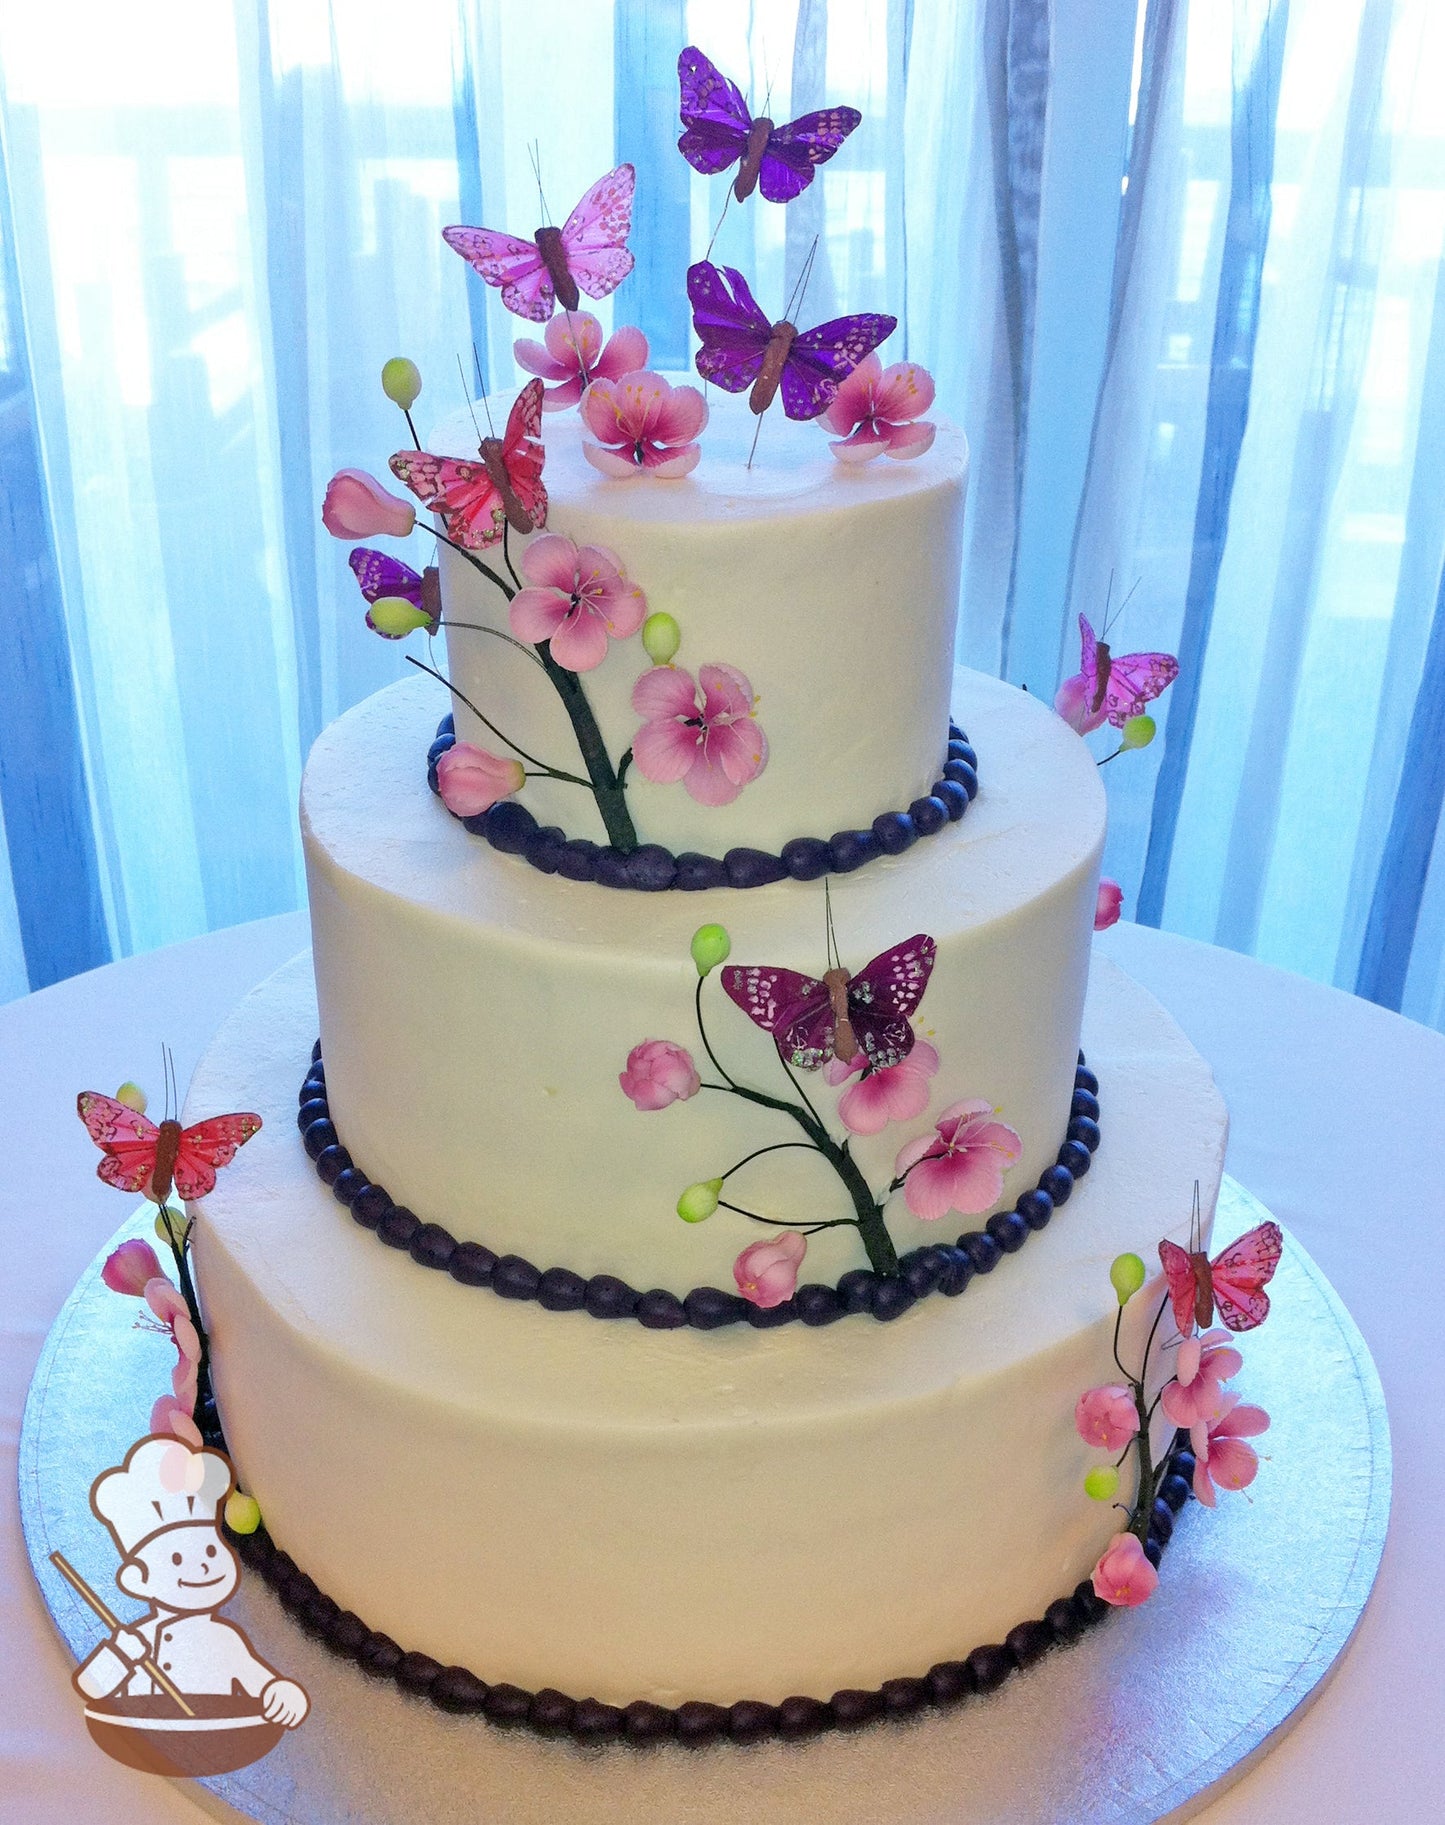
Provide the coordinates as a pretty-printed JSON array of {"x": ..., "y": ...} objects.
[{"x": 1147, "y": 1717}]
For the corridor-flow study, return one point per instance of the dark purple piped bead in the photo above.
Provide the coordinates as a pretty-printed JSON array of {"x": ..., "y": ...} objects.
[
  {"x": 991, "y": 1666},
  {"x": 347, "y": 1634},
  {"x": 817, "y": 1304},
  {"x": 594, "y": 1722},
  {"x": 432, "y": 1246},
  {"x": 957, "y": 1272},
  {"x": 416, "y": 1672},
  {"x": 1058, "y": 1183},
  {"x": 949, "y": 1681},
  {"x": 551, "y": 1711},
  {"x": 379, "y": 1654},
  {"x": 850, "y": 849},
  {"x": 506, "y": 826},
  {"x": 318, "y": 1137},
  {"x": 699, "y": 1722},
  {"x": 962, "y": 749},
  {"x": 610, "y": 869},
  {"x": 852, "y": 1708},
  {"x": 953, "y": 796},
  {"x": 699, "y": 873},
  {"x": 807, "y": 858},
  {"x": 398, "y": 1228},
  {"x": 472, "y": 1264},
  {"x": 1175, "y": 1490},
  {"x": 543, "y": 848},
  {"x": 770, "y": 1317},
  {"x": 857, "y": 1288},
  {"x": 1153, "y": 1551},
  {"x": 1062, "y": 1619},
  {"x": 609, "y": 1297},
  {"x": 279, "y": 1567},
  {"x": 660, "y": 1310},
  {"x": 448, "y": 724},
  {"x": 928, "y": 814},
  {"x": 708, "y": 1308},
  {"x": 1183, "y": 1466},
  {"x": 1085, "y": 1132},
  {"x": 560, "y": 1290},
  {"x": 1084, "y": 1079},
  {"x": 348, "y": 1185},
  {"x": 902, "y": 1697},
  {"x": 961, "y": 774},
  {"x": 297, "y": 1591},
  {"x": 1035, "y": 1207},
  {"x": 371, "y": 1205},
  {"x": 508, "y": 1704},
  {"x": 895, "y": 831},
  {"x": 331, "y": 1162},
  {"x": 892, "y": 1297},
  {"x": 800, "y": 1717},
  {"x": 753, "y": 868},
  {"x": 313, "y": 1086},
  {"x": 981, "y": 1250},
  {"x": 314, "y": 1109},
  {"x": 455, "y": 1689},
  {"x": 577, "y": 860},
  {"x": 1029, "y": 1642},
  {"x": 748, "y": 1720},
  {"x": 1084, "y": 1104},
  {"x": 1161, "y": 1521},
  {"x": 643, "y": 1722},
  {"x": 316, "y": 1053},
  {"x": 1009, "y": 1230},
  {"x": 439, "y": 747},
  {"x": 651, "y": 868},
  {"x": 1075, "y": 1159},
  {"x": 514, "y": 1277}
]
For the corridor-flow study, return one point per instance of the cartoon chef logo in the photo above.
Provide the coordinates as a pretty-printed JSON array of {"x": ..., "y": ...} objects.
[{"x": 179, "y": 1690}]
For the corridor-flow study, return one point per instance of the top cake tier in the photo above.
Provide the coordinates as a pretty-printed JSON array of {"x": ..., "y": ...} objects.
[{"x": 832, "y": 588}]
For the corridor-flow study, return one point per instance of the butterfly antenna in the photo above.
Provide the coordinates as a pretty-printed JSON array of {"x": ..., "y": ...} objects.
[
  {"x": 534, "y": 152},
  {"x": 482, "y": 389},
  {"x": 467, "y": 395},
  {"x": 799, "y": 291},
  {"x": 757, "y": 433},
  {"x": 1195, "y": 1221},
  {"x": 835, "y": 961},
  {"x": 717, "y": 225}
]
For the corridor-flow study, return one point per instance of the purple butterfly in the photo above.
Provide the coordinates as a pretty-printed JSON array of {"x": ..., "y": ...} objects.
[
  {"x": 1116, "y": 688},
  {"x": 718, "y": 129},
  {"x": 842, "y": 1015},
  {"x": 379, "y": 574},
  {"x": 740, "y": 347}
]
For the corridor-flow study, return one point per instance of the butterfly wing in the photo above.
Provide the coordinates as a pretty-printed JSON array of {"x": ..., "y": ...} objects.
[
  {"x": 127, "y": 1140},
  {"x": 1179, "y": 1272},
  {"x": 1241, "y": 1274},
  {"x": 733, "y": 330},
  {"x": 1088, "y": 659},
  {"x": 822, "y": 357},
  {"x": 794, "y": 151},
  {"x": 594, "y": 236},
  {"x": 522, "y": 451},
  {"x": 716, "y": 120},
  {"x": 1135, "y": 680},
  {"x": 793, "y": 1007},
  {"x": 378, "y": 574},
  {"x": 883, "y": 996},
  {"x": 516, "y": 266},
  {"x": 207, "y": 1146},
  {"x": 461, "y": 492}
]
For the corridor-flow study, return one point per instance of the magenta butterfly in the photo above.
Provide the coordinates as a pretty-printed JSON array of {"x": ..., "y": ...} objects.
[
  {"x": 841, "y": 1015},
  {"x": 589, "y": 250},
  {"x": 379, "y": 574},
  {"x": 477, "y": 500},
  {"x": 741, "y": 348},
  {"x": 1121, "y": 687},
  {"x": 719, "y": 130},
  {"x": 1234, "y": 1281}
]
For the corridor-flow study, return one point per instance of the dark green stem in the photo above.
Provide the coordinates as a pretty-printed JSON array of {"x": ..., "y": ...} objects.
[
  {"x": 808, "y": 1229},
  {"x": 475, "y": 562},
  {"x": 531, "y": 759},
  {"x": 606, "y": 785},
  {"x": 188, "y": 1293},
  {"x": 1149, "y": 1476},
  {"x": 480, "y": 627}
]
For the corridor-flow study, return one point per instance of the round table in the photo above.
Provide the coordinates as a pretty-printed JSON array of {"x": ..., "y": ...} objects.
[{"x": 1338, "y": 1109}]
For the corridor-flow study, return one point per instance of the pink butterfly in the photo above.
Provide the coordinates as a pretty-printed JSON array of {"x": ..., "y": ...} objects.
[
  {"x": 1234, "y": 1281},
  {"x": 841, "y": 1015},
  {"x": 1116, "y": 689},
  {"x": 141, "y": 1155},
  {"x": 588, "y": 250},
  {"x": 476, "y": 500}
]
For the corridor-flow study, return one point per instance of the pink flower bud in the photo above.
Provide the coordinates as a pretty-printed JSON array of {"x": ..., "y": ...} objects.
[
  {"x": 130, "y": 1268},
  {"x": 1124, "y": 1577},
  {"x": 471, "y": 780},
  {"x": 358, "y": 507},
  {"x": 1107, "y": 1417},
  {"x": 767, "y": 1273},
  {"x": 1106, "y": 907},
  {"x": 658, "y": 1073}
]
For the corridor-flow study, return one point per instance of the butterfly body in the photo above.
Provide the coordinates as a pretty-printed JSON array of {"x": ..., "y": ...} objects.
[
  {"x": 719, "y": 130},
  {"x": 151, "y": 1157},
  {"x": 477, "y": 500},
  {"x": 553, "y": 250},
  {"x": 1121, "y": 686},
  {"x": 751, "y": 166},
  {"x": 813, "y": 1019},
  {"x": 775, "y": 357},
  {"x": 1233, "y": 1282},
  {"x": 494, "y": 460},
  {"x": 845, "y": 1040},
  {"x": 587, "y": 253}
]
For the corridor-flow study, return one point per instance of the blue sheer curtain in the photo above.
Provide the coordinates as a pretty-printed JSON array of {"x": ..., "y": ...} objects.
[{"x": 1176, "y": 268}]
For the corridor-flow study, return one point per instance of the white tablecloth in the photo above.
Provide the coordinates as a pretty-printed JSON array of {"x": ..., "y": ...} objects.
[{"x": 1338, "y": 1125}]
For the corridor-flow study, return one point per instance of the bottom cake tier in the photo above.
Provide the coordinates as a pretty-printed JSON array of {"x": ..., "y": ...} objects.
[{"x": 555, "y": 1501}]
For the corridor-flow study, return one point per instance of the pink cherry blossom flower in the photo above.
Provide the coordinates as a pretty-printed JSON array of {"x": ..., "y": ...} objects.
[
  {"x": 658, "y": 1073},
  {"x": 1221, "y": 1457},
  {"x": 642, "y": 423},
  {"x": 174, "y": 1314},
  {"x": 170, "y": 1415},
  {"x": 356, "y": 506},
  {"x": 704, "y": 734},
  {"x": 767, "y": 1272},
  {"x": 897, "y": 1093},
  {"x": 1202, "y": 1365},
  {"x": 574, "y": 355},
  {"x": 1107, "y": 1417},
  {"x": 961, "y": 1165},
  {"x": 1108, "y": 904},
  {"x": 1124, "y": 1577},
  {"x": 131, "y": 1267},
  {"x": 470, "y": 780},
  {"x": 875, "y": 411},
  {"x": 1071, "y": 701},
  {"x": 578, "y": 597}
]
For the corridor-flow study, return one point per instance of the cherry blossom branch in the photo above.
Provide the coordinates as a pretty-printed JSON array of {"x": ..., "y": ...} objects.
[
  {"x": 530, "y": 759},
  {"x": 475, "y": 562},
  {"x": 480, "y": 627}
]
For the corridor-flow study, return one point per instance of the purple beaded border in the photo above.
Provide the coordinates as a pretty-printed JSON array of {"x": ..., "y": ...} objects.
[
  {"x": 650, "y": 868},
  {"x": 937, "y": 1268},
  {"x": 589, "y": 1720}
]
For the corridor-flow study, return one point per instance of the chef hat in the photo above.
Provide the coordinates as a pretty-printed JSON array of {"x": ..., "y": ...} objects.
[{"x": 162, "y": 1483}]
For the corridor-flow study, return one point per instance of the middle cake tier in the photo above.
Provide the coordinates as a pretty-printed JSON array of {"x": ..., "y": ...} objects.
[{"x": 475, "y": 1015}]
